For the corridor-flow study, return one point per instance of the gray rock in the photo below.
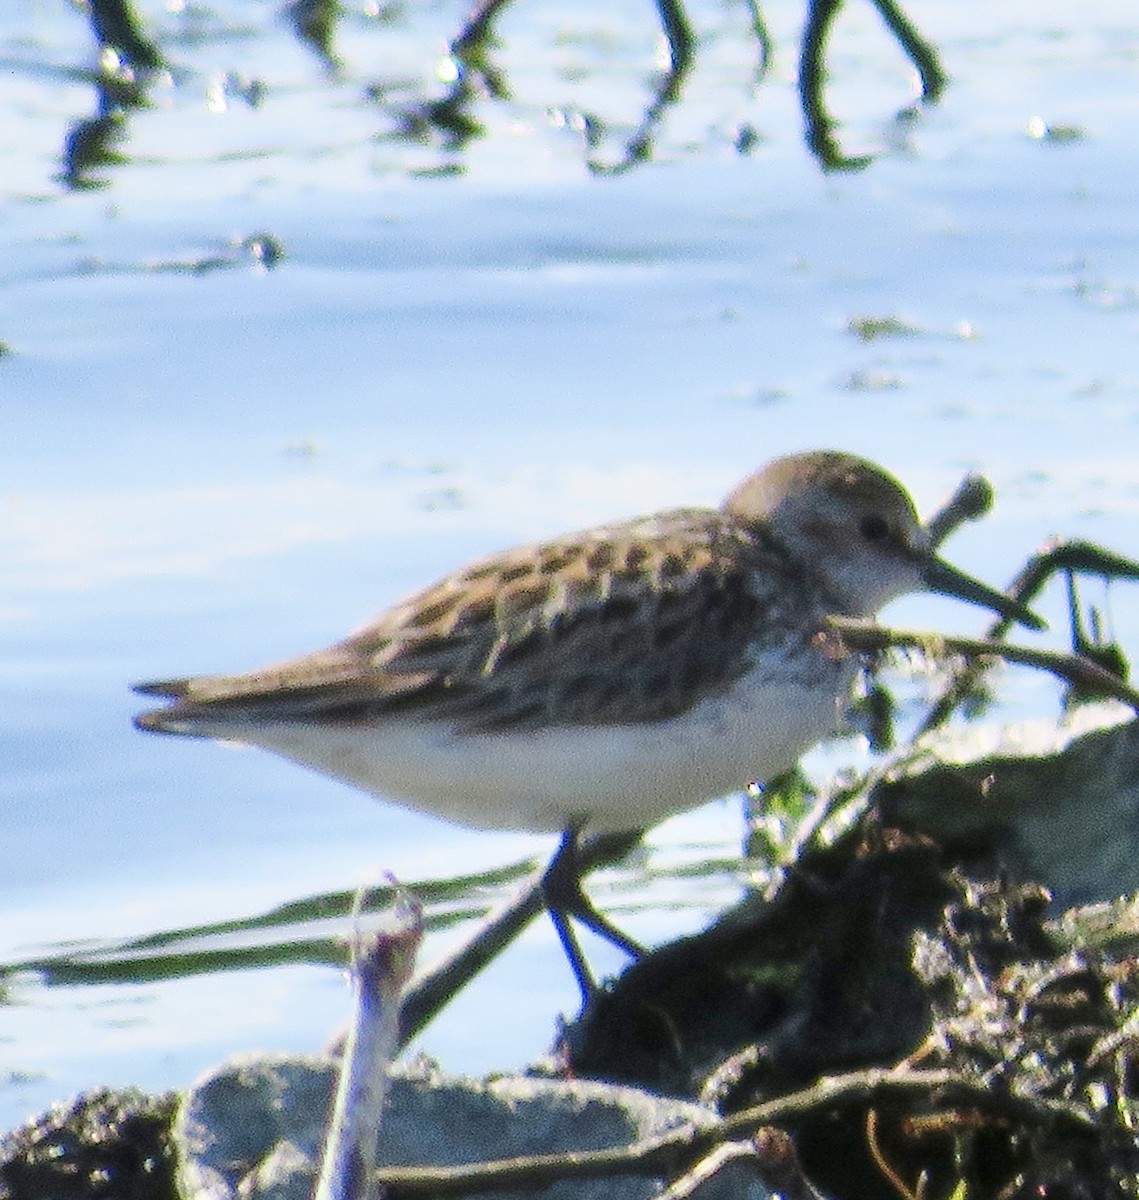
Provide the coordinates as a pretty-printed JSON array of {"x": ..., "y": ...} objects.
[
  {"x": 1057, "y": 802},
  {"x": 254, "y": 1128}
]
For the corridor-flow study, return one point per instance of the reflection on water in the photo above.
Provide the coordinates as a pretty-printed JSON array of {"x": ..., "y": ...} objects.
[
  {"x": 93, "y": 143},
  {"x": 821, "y": 126},
  {"x": 314, "y": 22},
  {"x": 308, "y": 931},
  {"x": 130, "y": 62},
  {"x": 116, "y": 28}
]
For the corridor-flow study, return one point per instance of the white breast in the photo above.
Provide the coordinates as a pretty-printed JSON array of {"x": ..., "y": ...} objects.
[{"x": 601, "y": 777}]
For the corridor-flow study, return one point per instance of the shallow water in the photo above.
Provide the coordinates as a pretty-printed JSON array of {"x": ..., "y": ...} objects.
[{"x": 208, "y": 463}]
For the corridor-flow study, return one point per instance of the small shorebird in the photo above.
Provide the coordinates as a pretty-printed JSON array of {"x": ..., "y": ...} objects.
[{"x": 605, "y": 680}]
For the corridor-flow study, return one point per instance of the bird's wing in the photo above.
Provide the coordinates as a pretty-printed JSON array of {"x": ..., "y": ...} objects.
[{"x": 630, "y": 623}]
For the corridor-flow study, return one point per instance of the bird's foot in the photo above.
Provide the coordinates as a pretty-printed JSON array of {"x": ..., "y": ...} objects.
[{"x": 565, "y": 899}]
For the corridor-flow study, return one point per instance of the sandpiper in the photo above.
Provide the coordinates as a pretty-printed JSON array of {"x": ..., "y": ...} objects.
[{"x": 604, "y": 680}]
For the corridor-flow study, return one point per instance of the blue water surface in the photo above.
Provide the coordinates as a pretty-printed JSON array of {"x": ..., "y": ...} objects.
[{"x": 208, "y": 463}]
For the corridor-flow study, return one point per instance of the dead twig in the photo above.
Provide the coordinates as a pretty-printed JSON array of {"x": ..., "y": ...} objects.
[
  {"x": 1057, "y": 557},
  {"x": 433, "y": 989},
  {"x": 381, "y": 965},
  {"x": 671, "y": 1154},
  {"x": 771, "y": 1156},
  {"x": 971, "y": 501},
  {"x": 1075, "y": 669}
]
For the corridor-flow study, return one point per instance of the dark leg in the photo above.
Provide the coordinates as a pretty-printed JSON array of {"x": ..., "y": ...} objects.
[{"x": 561, "y": 885}]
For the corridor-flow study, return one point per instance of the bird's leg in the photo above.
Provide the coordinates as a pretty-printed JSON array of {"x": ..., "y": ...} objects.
[
  {"x": 561, "y": 886},
  {"x": 562, "y": 882}
]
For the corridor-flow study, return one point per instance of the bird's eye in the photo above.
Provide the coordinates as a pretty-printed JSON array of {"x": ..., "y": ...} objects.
[{"x": 874, "y": 528}]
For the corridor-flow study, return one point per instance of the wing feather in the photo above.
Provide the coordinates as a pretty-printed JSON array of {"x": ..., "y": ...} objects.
[{"x": 631, "y": 623}]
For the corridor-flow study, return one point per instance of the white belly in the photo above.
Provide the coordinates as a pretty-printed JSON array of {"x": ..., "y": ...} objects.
[{"x": 598, "y": 777}]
